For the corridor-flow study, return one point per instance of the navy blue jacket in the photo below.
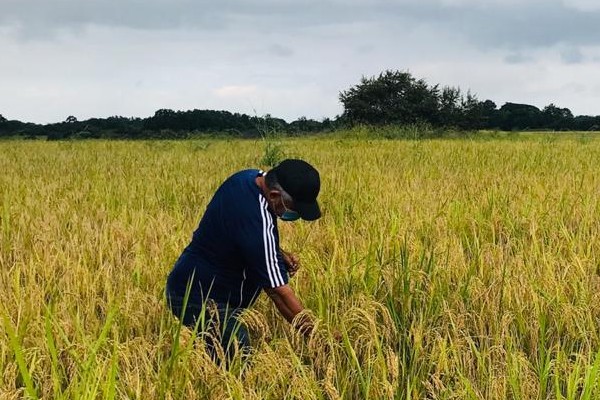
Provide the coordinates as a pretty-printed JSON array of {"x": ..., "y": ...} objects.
[{"x": 234, "y": 252}]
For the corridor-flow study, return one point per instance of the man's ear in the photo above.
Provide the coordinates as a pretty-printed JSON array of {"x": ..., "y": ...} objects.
[{"x": 274, "y": 195}]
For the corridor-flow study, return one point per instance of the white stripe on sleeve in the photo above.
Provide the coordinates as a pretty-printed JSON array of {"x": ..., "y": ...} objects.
[
  {"x": 270, "y": 248},
  {"x": 265, "y": 240},
  {"x": 276, "y": 270}
]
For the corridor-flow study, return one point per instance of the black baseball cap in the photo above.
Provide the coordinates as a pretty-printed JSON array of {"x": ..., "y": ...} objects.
[{"x": 301, "y": 181}]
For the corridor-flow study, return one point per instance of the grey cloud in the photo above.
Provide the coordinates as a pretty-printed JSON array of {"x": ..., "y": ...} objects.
[
  {"x": 509, "y": 25},
  {"x": 515, "y": 26},
  {"x": 39, "y": 15},
  {"x": 365, "y": 49},
  {"x": 517, "y": 58},
  {"x": 572, "y": 55},
  {"x": 31, "y": 18},
  {"x": 578, "y": 88},
  {"x": 280, "y": 51}
]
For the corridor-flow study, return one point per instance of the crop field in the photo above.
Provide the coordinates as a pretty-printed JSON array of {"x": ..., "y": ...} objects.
[{"x": 453, "y": 268}]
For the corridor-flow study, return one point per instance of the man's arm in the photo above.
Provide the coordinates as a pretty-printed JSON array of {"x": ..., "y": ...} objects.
[{"x": 289, "y": 306}]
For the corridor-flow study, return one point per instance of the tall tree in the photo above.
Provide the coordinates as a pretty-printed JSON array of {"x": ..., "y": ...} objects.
[
  {"x": 391, "y": 97},
  {"x": 450, "y": 107},
  {"x": 557, "y": 118},
  {"x": 515, "y": 116}
]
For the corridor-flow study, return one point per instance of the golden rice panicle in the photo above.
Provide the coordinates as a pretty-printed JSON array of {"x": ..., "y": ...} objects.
[{"x": 451, "y": 269}]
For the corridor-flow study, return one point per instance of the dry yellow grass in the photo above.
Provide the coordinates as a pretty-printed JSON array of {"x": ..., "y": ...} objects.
[{"x": 455, "y": 269}]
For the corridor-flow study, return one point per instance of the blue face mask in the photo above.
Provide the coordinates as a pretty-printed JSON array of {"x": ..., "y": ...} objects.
[{"x": 288, "y": 215}]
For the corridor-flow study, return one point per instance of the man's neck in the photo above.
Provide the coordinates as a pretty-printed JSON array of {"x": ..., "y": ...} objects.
[{"x": 262, "y": 185}]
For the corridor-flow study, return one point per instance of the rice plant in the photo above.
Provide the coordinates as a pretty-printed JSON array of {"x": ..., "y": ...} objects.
[{"x": 453, "y": 269}]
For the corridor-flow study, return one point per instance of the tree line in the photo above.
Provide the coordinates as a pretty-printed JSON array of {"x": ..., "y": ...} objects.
[
  {"x": 164, "y": 124},
  {"x": 390, "y": 98},
  {"x": 397, "y": 98}
]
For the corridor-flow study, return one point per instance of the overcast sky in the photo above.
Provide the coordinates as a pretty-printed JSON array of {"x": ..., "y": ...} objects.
[{"x": 97, "y": 58}]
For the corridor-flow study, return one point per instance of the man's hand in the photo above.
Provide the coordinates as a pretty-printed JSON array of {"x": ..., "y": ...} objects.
[{"x": 292, "y": 262}]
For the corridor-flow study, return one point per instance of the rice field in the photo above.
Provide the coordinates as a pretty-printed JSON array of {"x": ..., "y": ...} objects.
[{"x": 454, "y": 269}]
